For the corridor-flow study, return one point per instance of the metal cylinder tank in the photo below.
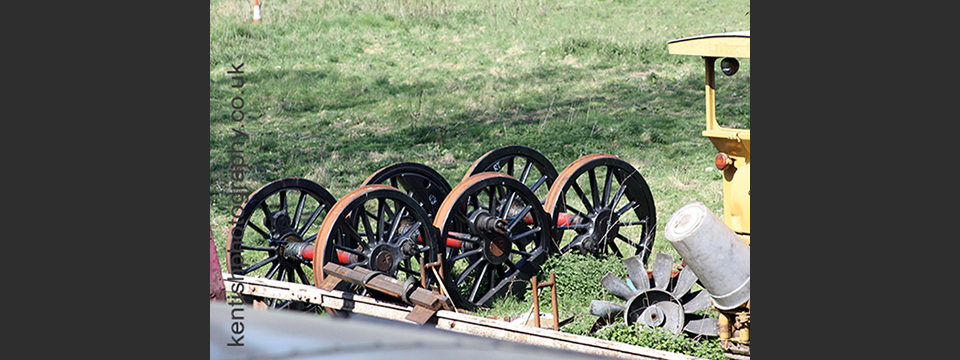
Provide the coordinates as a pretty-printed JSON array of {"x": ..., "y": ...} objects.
[{"x": 719, "y": 258}]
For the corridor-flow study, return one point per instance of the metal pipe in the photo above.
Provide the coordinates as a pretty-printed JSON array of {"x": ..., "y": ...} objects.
[
  {"x": 714, "y": 252},
  {"x": 553, "y": 298}
]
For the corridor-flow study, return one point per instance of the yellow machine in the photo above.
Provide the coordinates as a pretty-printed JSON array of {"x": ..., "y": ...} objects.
[
  {"x": 733, "y": 158},
  {"x": 733, "y": 144}
]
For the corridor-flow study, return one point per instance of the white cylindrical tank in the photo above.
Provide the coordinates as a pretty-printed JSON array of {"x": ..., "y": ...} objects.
[{"x": 719, "y": 258}]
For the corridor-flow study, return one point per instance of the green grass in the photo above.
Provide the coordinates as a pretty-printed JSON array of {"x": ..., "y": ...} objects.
[{"x": 335, "y": 90}]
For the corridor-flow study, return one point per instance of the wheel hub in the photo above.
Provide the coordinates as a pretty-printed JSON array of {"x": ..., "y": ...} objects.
[
  {"x": 606, "y": 225},
  {"x": 496, "y": 249},
  {"x": 286, "y": 237},
  {"x": 385, "y": 258},
  {"x": 495, "y": 237}
]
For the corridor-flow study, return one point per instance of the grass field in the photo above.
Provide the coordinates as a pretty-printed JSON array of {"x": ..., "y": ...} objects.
[{"x": 335, "y": 90}]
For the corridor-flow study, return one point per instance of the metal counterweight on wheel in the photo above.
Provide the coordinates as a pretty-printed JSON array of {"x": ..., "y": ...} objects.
[
  {"x": 499, "y": 249},
  {"x": 421, "y": 182},
  {"x": 521, "y": 162}
]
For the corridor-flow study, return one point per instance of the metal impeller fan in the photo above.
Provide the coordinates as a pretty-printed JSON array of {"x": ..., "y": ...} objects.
[{"x": 656, "y": 300}]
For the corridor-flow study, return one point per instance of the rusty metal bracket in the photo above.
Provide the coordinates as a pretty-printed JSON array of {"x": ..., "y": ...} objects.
[{"x": 553, "y": 298}]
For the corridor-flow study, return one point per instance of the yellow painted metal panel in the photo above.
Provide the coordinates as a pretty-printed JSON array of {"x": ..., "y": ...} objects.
[{"x": 712, "y": 46}]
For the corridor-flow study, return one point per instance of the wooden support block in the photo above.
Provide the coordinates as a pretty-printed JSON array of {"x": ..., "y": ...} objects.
[
  {"x": 387, "y": 285},
  {"x": 329, "y": 283},
  {"x": 420, "y": 315}
]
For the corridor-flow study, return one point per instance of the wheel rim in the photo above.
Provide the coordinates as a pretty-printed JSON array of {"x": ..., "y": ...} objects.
[
  {"x": 532, "y": 168},
  {"x": 421, "y": 182},
  {"x": 602, "y": 206},
  {"x": 500, "y": 249},
  {"x": 380, "y": 228},
  {"x": 276, "y": 217}
]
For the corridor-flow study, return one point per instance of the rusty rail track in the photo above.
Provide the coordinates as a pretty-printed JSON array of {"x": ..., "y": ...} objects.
[{"x": 446, "y": 320}]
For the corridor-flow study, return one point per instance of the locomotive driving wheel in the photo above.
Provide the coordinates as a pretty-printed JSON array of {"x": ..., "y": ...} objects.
[
  {"x": 532, "y": 168},
  {"x": 419, "y": 181},
  {"x": 380, "y": 228},
  {"x": 274, "y": 220},
  {"x": 602, "y": 206},
  {"x": 497, "y": 236}
]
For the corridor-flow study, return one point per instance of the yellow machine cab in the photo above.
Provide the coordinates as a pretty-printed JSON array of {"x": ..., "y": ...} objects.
[{"x": 733, "y": 144}]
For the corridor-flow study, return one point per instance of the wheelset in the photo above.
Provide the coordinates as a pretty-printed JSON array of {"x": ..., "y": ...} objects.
[
  {"x": 602, "y": 206},
  {"x": 497, "y": 235},
  {"x": 380, "y": 228},
  {"x": 272, "y": 224}
]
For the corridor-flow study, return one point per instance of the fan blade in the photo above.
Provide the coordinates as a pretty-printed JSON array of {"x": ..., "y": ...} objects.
[
  {"x": 661, "y": 271},
  {"x": 706, "y": 326},
  {"x": 699, "y": 302},
  {"x": 684, "y": 282},
  {"x": 673, "y": 313},
  {"x": 605, "y": 309},
  {"x": 616, "y": 286},
  {"x": 637, "y": 275}
]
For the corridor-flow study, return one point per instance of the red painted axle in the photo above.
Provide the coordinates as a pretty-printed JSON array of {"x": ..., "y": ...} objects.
[{"x": 305, "y": 251}]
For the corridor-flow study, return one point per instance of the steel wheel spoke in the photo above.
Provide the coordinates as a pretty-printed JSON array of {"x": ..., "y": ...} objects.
[
  {"x": 543, "y": 178},
  {"x": 266, "y": 213},
  {"x": 628, "y": 241},
  {"x": 349, "y": 250},
  {"x": 633, "y": 223},
  {"x": 606, "y": 188},
  {"x": 313, "y": 218},
  {"x": 371, "y": 237},
  {"x": 492, "y": 206},
  {"x": 523, "y": 253},
  {"x": 594, "y": 190},
  {"x": 273, "y": 270},
  {"x": 525, "y": 234},
  {"x": 624, "y": 209},
  {"x": 508, "y": 204},
  {"x": 353, "y": 234},
  {"x": 411, "y": 230},
  {"x": 396, "y": 223},
  {"x": 613, "y": 245},
  {"x": 525, "y": 172},
  {"x": 302, "y": 275},
  {"x": 258, "y": 248},
  {"x": 520, "y": 216},
  {"x": 259, "y": 230},
  {"x": 465, "y": 273},
  {"x": 283, "y": 201},
  {"x": 381, "y": 209},
  {"x": 465, "y": 254},
  {"x": 478, "y": 281},
  {"x": 575, "y": 211},
  {"x": 259, "y": 264},
  {"x": 297, "y": 213},
  {"x": 583, "y": 197},
  {"x": 290, "y": 277}
]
